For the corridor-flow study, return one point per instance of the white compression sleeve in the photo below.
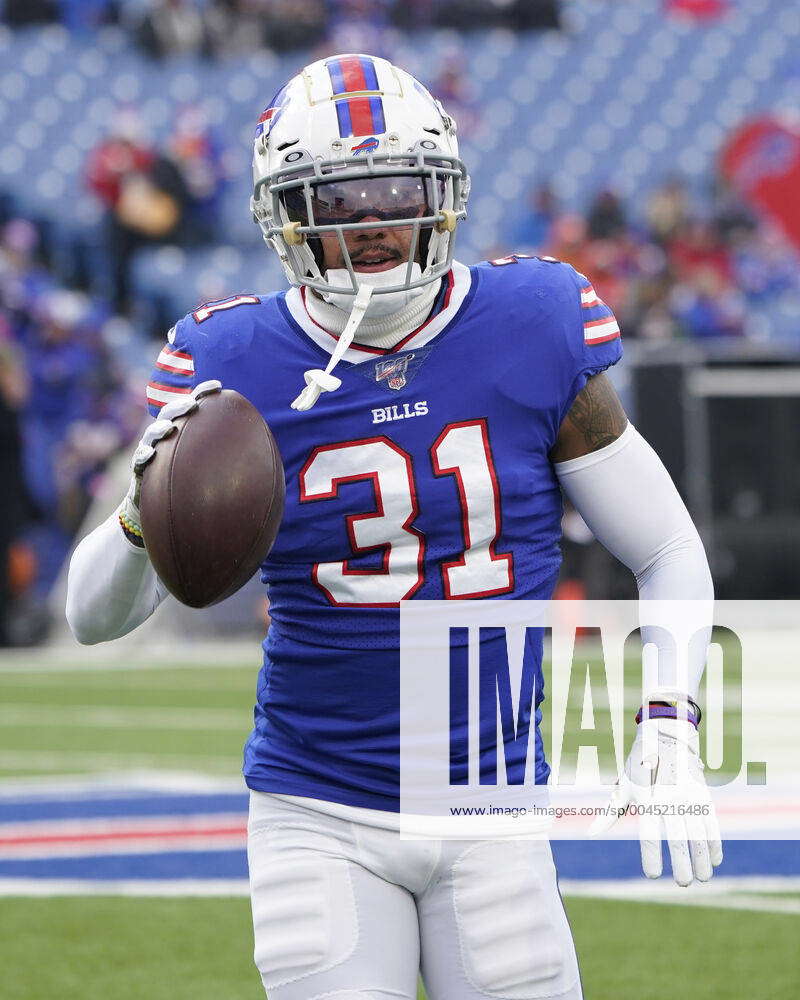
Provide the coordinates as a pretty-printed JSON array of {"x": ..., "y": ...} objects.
[
  {"x": 630, "y": 503},
  {"x": 111, "y": 587}
]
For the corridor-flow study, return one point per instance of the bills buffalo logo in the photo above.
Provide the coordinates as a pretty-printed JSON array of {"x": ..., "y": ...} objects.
[
  {"x": 393, "y": 371},
  {"x": 367, "y": 146}
]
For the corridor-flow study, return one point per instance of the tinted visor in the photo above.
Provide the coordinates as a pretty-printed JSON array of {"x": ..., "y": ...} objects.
[{"x": 389, "y": 199}]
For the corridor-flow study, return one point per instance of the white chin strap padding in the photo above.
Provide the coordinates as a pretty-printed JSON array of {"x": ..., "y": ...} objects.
[{"x": 319, "y": 381}]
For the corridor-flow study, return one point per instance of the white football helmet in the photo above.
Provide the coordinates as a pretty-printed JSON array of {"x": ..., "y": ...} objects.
[{"x": 355, "y": 138}]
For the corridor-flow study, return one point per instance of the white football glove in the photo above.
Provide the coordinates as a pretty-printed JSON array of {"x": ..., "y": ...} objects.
[
  {"x": 664, "y": 779},
  {"x": 128, "y": 510}
]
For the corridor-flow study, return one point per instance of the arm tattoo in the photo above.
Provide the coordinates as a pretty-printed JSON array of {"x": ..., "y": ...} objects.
[{"x": 594, "y": 421}]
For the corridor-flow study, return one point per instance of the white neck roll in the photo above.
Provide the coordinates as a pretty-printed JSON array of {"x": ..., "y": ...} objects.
[{"x": 382, "y": 331}]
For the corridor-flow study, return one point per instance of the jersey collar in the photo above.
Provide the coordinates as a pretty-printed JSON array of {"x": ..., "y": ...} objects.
[{"x": 457, "y": 285}]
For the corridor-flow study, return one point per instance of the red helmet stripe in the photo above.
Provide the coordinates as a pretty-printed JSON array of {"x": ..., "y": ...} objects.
[
  {"x": 353, "y": 74},
  {"x": 361, "y": 116}
]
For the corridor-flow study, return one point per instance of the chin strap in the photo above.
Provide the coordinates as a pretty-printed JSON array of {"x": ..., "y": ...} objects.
[{"x": 319, "y": 381}]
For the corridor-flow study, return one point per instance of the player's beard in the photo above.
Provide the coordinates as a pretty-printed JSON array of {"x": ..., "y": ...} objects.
[{"x": 380, "y": 305}]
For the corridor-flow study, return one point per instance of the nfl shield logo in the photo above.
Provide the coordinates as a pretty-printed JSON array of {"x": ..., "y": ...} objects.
[{"x": 393, "y": 370}]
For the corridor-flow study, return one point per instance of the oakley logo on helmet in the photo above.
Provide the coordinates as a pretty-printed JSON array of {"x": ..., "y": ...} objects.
[{"x": 367, "y": 146}]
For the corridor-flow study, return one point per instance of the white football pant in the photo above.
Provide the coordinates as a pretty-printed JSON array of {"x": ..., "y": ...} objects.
[{"x": 349, "y": 911}]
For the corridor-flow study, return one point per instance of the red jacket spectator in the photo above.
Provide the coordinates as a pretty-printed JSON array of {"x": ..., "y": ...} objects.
[
  {"x": 111, "y": 162},
  {"x": 700, "y": 10},
  {"x": 698, "y": 246}
]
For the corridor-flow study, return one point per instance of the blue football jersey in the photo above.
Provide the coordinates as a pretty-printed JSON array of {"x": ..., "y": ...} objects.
[{"x": 425, "y": 475}]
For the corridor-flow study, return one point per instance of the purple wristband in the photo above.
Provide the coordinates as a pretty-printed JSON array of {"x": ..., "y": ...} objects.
[{"x": 661, "y": 710}]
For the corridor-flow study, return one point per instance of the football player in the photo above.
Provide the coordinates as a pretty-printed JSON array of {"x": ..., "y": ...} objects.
[{"x": 429, "y": 415}]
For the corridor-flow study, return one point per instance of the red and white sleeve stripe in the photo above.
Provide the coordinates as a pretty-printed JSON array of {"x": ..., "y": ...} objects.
[
  {"x": 599, "y": 323},
  {"x": 589, "y": 297},
  {"x": 158, "y": 394},
  {"x": 176, "y": 362}
]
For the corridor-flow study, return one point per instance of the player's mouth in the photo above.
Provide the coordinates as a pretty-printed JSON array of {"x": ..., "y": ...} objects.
[{"x": 377, "y": 261}]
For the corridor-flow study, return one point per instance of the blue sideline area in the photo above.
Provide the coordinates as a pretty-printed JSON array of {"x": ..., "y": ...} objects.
[{"x": 575, "y": 859}]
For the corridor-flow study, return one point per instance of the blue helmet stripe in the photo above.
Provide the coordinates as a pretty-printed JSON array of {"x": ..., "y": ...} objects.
[
  {"x": 336, "y": 75},
  {"x": 378, "y": 122},
  {"x": 368, "y": 66},
  {"x": 343, "y": 114}
]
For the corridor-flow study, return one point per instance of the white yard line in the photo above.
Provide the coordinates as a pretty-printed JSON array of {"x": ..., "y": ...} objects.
[
  {"x": 119, "y": 785},
  {"x": 132, "y": 887},
  {"x": 624, "y": 890},
  {"x": 93, "y": 716},
  {"x": 726, "y": 892},
  {"x": 49, "y": 760},
  {"x": 151, "y": 679},
  {"x": 176, "y": 656}
]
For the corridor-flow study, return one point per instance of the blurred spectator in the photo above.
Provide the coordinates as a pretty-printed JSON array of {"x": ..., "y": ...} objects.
[
  {"x": 236, "y": 26},
  {"x": 698, "y": 245},
  {"x": 454, "y": 89},
  {"x": 532, "y": 231},
  {"x": 467, "y": 15},
  {"x": 85, "y": 15},
  {"x": 61, "y": 367},
  {"x": 764, "y": 265},
  {"x": 124, "y": 153},
  {"x": 201, "y": 159},
  {"x": 145, "y": 195},
  {"x": 358, "y": 26},
  {"x": 14, "y": 504},
  {"x": 651, "y": 317},
  {"x": 22, "y": 278},
  {"x": 522, "y": 15},
  {"x": 568, "y": 241},
  {"x": 413, "y": 15},
  {"x": 706, "y": 306},
  {"x": 60, "y": 391},
  {"x": 606, "y": 217},
  {"x": 614, "y": 266},
  {"x": 698, "y": 10},
  {"x": 19, "y": 13},
  {"x": 668, "y": 209},
  {"x": 730, "y": 213},
  {"x": 298, "y": 24},
  {"x": 681, "y": 274},
  {"x": 172, "y": 27},
  {"x": 220, "y": 27}
]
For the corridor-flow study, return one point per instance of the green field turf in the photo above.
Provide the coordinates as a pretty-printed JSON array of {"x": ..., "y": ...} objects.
[
  {"x": 99, "y": 721},
  {"x": 194, "y": 720},
  {"x": 200, "y": 949},
  {"x": 57, "y": 721}
]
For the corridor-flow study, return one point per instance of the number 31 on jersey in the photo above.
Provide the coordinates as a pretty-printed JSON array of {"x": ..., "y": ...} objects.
[{"x": 462, "y": 451}]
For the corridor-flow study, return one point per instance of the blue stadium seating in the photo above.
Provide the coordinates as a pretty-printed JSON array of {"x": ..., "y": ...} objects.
[{"x": 623, "y": 98}]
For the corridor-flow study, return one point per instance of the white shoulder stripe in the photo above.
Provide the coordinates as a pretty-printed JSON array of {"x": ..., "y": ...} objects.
[{"x": 601, "y": 331}]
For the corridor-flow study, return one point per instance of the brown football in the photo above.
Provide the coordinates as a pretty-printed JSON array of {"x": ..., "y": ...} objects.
[{"x": 212, "y": 500}]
